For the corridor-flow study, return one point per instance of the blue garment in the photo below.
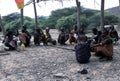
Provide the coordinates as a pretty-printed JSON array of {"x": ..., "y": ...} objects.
[{"x": 82, "y": 52}]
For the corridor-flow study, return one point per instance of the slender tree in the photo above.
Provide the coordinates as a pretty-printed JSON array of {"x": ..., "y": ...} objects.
[
  {"x": 35, "y": 11},
  {"x": 22, "y": 18},
  {"x": 78, "y": 16},
  {"x": 3, "y": 29},
  {"x": 102, "y": 14},
  {"x": 119, "y": 4}
]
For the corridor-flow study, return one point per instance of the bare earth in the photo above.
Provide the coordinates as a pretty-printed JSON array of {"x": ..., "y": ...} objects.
[{"x": 46, "y": 63}]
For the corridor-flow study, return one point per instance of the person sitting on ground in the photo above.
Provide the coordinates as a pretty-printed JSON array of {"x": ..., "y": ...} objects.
[
  {"x": 73, "y": 36},
  {"x": 42, "y": 38},
  {"x": 113, "y": 33},
  {"x": 62, "y": 38},
  {"x": 15, "y": 31},
  {"x": 96, "y": 40},
  {"x": 82, "y": 50},
  {"x": 22, "y": 37},
  {"x": 48, "y": 37},
  {"x": 28, "y": 37},
  {"x": 10, "y": 41},
  {"x": 104, "y": 49},
  {"x": 95, "y": 33},
  {"x": 37, "y": 37}
]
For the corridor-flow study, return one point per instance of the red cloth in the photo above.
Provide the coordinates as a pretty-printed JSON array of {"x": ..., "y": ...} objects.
[
  {"x": 19, "y": 1},
  {"x": 20, "y": 4}
]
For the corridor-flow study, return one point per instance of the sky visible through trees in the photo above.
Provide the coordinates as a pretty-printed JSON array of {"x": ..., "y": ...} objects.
[{"x": 9, "y": 6}]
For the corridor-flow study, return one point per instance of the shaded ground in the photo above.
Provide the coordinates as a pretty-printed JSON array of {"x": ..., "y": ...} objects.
[{"x": 46, "y": 63}]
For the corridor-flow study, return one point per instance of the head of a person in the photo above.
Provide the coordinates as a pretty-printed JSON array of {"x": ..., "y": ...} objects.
[
  {"x": 82, "y": 38},
  {"x": 9, "y": 31},
  {"x": 24, "y": 27},
  {"x": 112, "y": 27},
  {"x": 94, "y": 31},
  {"x": 47, "y": 29},
  {"x": 62, "y": 29},
  {"x": 99, "y": 33},
  {"x": 38, "y": 30},
  {"x": 81, "y": 31},
  {"x": 23, "y": 31},
  {"x": 105, "y": 33},
  {"x": 75, "y": 27}
]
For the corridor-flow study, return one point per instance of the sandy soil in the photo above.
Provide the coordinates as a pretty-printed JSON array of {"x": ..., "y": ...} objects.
[{"x": 47, "y": 63}]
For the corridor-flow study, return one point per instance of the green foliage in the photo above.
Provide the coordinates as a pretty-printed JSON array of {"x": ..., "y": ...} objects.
[
  {"x": 94, "y": 20},
  {"x": 89, "y": 12},
  {"x": 66, "y": 22},
  {"x": 66, "y": 18},
  {"x": 12, "y": 16},
  {"x": 70, "y": 21},
  {"x": 111, "y": 19},
  {"x": 57, "y": 14},
  {"x": 42, "y": 22},
  {"x": 12, "y": 21}
]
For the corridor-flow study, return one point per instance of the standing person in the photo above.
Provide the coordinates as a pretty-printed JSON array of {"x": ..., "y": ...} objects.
[
  {"x": 105, "y": 48},
  {"x": 82, "y": 50}
]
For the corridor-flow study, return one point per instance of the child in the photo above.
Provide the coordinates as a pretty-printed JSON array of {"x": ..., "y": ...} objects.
[{"x": 82, "y": 50}]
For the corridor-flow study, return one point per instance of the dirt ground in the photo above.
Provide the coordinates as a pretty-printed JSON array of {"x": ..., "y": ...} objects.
[{"x": 49, "y": 63}]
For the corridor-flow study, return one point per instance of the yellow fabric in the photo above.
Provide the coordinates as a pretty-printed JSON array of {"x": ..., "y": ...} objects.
[
  {"x": 45, "y": 35},
  {"x": 20, "y": 5},
  {"x": 22, "y": 47}
]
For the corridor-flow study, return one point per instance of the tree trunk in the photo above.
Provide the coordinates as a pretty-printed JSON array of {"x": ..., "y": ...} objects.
[
  {"x": 102, "y": 14},
  {"x": 78, "y": 16},
  {"x": 22, "y": 18},
  {"x": 35, "y": 11},
  {"x": 3, "y": 29},
  {"x": 119, "y": 4}
]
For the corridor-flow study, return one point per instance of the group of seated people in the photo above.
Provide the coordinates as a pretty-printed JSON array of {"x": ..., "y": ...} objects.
[
  {"x": 101, "y": 43},
  {"x": 11, "y": 39},
  {"x": 71, "y": 37},
  {"x": 45, "y": 38}
]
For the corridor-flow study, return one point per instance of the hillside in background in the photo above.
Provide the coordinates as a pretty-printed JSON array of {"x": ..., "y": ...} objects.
[
  {"x": 65, "y": 18},
  {"x": 114, "y": 10}
]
